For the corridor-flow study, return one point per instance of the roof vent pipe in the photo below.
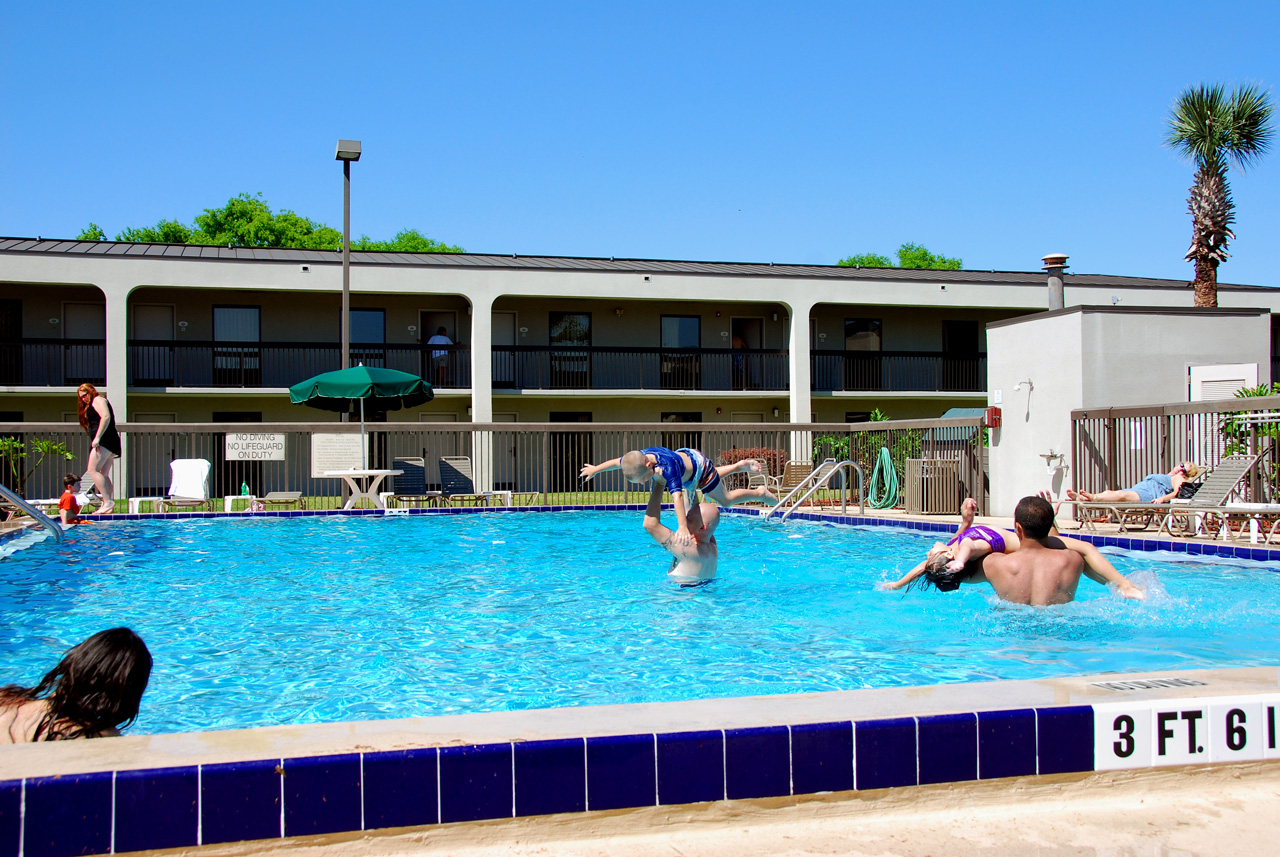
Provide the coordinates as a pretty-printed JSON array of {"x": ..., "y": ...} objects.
[{"x": 1054, "y": 263}]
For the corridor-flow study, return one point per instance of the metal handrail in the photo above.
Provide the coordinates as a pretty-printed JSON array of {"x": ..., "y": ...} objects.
[
  {"x": 35, "y": 514},
  {"x": 818, "y": 479}
]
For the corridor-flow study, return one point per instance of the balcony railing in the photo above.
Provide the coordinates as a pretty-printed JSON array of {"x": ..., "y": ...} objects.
[
  {"x": 239, "y": 365},
  {"x": 52, "y": 362},
  {"x": 898, "y": 371},
  {"x": 165, "y": 363},
  {"x": 534, "y": 367}
]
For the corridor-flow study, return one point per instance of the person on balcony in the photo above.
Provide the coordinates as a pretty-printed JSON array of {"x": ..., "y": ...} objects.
[
  {"x": 97, "y": 418},
  {"x": 440, "y": 356}
]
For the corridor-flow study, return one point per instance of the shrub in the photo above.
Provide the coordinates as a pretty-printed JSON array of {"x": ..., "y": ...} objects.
[{"x": 773, "y": 460}]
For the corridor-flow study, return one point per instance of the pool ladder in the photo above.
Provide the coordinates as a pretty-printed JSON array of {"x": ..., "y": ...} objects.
[
  {"x": 8, "y": 498},
  {"x": 817, "y": 480}
]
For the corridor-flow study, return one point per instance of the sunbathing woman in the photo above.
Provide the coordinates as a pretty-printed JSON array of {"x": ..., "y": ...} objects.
[
  {"x": 1154, "y": 488},
  {"x": 944, "y": 566},
  {"x": 93, "y": 692}
]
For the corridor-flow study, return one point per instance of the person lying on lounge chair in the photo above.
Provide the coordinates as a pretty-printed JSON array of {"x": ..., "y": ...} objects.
[
  {"x": 1154, "y": 488},
  {"x": 960, "y": 560}
]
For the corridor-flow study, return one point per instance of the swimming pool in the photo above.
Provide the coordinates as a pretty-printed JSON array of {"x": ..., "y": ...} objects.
[{"x": 322, "y": 619}]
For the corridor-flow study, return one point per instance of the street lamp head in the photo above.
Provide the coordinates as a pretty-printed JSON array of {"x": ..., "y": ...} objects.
[{"x": 348, "y": 150}]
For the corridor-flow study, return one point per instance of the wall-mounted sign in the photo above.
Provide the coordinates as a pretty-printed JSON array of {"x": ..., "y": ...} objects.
[
  {"x": 255, "y": 446},
  {"x": 334, "y": 452}
]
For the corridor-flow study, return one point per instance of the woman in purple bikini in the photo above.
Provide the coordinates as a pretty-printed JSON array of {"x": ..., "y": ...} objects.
[
  {"x": 945, "y": 561},
  {"x": 948, "y": 565}
]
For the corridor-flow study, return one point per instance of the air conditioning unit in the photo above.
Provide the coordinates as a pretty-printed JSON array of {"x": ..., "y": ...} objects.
[{"x": 932, "y": 486}]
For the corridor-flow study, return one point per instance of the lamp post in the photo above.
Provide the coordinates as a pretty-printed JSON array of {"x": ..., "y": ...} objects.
[{"x": 348, "y": 151}]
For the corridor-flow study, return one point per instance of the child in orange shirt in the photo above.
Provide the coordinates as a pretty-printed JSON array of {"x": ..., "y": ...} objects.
[{"x": 68, "y": 506}]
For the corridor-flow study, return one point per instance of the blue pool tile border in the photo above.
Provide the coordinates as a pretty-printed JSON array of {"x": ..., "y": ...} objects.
[{"x": 266, "y": 799}]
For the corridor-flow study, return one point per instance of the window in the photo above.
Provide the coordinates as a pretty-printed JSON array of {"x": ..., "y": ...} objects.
[
  {"x": 236, "y": 324},
  {"x": 960, "y": 337},
  {"x": 681, "y": 370},
  {"x": 236, "y": 366},
  {"x": 368, "y": 328},
  {"x": 570, "y": 335},
  {"x": 681, "y": 331},
  {"x": 863, "y": 371},
  {"x": 368, "y": 325},
  {"x": 862, "y": 334},
  {"x": 570, "y": 328}
]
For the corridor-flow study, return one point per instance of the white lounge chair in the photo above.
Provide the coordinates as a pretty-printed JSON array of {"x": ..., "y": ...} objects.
[{"x": 189, "y": 487}]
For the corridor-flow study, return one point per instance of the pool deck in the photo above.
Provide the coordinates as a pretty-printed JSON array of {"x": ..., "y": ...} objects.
[{"x": 1227, "y": 810}]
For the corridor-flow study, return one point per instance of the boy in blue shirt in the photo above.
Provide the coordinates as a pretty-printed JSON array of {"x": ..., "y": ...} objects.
[{"x": 684, "y": 470}]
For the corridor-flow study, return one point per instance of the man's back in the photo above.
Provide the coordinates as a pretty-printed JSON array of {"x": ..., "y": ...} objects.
[{"x": 1038, "y": 573}]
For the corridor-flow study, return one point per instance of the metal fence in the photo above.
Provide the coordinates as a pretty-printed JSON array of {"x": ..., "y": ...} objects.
[
  {"x": 1117, "y": 447},
  {"x": 164, "y": 363},
  {"x": 540, "y": 461}
]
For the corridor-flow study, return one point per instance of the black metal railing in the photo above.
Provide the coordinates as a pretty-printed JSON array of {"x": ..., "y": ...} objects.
[
  {"x": 53, "y": 362},
  {"x": 534, "y": 367},
  {"x": 166, "y": 363},
  {"x": 171, "y": 363},
  {"x": 905, "y": 371}
]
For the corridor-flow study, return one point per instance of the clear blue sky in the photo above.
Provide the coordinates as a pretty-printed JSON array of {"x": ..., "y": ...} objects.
[{"x": 804, "y": 132}]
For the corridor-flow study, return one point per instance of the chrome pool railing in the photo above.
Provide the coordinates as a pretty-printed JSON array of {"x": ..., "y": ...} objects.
[
  {"x": 815, "y": 482},
  {"x": 8, "y": 498}
]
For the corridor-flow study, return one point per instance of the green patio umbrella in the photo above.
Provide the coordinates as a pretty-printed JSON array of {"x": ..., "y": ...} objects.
[{"x": 347, "y": 390}]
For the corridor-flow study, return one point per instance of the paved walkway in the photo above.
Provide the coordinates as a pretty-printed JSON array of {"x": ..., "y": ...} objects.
[{"x": 1222, "y": 810}]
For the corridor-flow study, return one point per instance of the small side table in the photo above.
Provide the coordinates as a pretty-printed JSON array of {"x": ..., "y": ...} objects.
[{"x": 231, "y": 498}]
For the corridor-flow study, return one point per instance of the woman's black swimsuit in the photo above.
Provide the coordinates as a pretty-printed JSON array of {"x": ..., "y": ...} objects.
[{"x": 110, "y": 437}]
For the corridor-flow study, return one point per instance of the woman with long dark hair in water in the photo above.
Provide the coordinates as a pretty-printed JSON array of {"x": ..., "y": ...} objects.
[
  {"x": 97, "y": 418},
  {"x": 93, "y": 692}
]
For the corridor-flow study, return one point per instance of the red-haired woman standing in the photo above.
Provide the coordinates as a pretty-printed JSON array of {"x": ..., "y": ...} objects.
[{"x": 97, "y": 418}]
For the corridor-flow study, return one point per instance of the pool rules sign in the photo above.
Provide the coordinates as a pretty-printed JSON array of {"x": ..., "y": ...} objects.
[
  {"x": 1185, "y": 732},
  {"x": 255, "y": 446}
]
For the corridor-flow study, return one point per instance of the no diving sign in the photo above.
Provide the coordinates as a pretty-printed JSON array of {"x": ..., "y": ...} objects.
[{"x": 255, "y": 446}]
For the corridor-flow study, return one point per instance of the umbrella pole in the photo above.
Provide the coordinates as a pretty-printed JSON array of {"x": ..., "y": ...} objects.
[{"x": 364, "y": 441}]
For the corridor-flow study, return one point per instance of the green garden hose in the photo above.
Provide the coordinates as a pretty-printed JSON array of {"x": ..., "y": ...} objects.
[{"x": 883, "y": 492}]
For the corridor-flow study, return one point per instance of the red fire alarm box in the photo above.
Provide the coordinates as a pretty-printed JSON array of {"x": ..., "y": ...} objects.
[{"x": 991, "y": 417}]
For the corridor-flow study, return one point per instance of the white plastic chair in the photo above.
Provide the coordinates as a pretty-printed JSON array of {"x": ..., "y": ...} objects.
[{"x": 189, "y": 486}]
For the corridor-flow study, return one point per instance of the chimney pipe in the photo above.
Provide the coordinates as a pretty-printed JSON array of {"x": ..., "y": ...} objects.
[{"x": 1054, "y": 263}]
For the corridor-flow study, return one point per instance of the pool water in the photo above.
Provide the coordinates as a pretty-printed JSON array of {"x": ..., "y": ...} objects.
[{"x": 271, "y": 621}]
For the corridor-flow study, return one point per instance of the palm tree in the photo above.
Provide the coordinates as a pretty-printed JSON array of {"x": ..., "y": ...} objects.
[{"x": 1211, "y": 128}]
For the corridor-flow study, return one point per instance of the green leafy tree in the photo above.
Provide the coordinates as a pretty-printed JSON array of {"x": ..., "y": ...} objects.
[
  {"x": 909, "y": 256},
  {"x": 16, "y": 453},
  {"x": 1212, "y": 128},
  {"x": 866, "y": 260},
  {"x": 914, "y": 256},
  {"x": 406, "y": 241},
  {"x": 164, "y": 232},
  {"x": 247, "y": 221}
]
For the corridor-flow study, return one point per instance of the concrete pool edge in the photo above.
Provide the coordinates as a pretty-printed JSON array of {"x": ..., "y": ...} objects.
[{"x": 272, "y": 782}]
